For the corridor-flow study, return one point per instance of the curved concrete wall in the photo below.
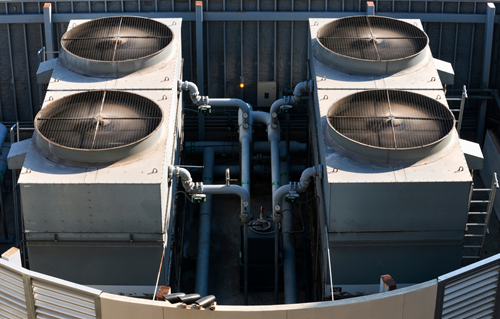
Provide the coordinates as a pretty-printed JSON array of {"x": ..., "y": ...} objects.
[{"x": 415, "y": 302}]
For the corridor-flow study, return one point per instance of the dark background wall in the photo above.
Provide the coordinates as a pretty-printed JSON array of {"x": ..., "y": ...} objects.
[{"x": 272, "y": 50}]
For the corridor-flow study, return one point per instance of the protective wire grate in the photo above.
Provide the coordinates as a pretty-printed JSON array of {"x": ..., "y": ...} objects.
[
  {"x": 117, "y": 39},
  {"x": 372, "y": 38},
  {"x": 98, "y": 120},
  {"x": 391, "y": 119}
]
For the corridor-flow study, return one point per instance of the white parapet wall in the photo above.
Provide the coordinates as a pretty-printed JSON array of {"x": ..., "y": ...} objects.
[{"x": 28, "y": 294}]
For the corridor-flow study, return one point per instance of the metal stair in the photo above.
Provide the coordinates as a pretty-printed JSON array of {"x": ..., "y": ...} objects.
[{"x": 477, "y": 227}]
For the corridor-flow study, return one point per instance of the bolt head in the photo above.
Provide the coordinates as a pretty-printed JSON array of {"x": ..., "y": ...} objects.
[
  {"x": 274, "y": 126},
  {"x": 245, "y": 115},
  {"x": 244, "y": 204},
  {"x": 277, "y": 208},
  {"x": 274, "y": 115},
  {"x": 245, "y": 126}
]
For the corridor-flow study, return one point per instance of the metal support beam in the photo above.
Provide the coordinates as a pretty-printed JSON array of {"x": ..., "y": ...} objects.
[
  {"x": 370, "y": 8},
  {"x": 200, "y": 65},
  {"x": 47, "y": 21},
  {"x": 247, "y": 16},
  {"x": 485, "y": 79}
]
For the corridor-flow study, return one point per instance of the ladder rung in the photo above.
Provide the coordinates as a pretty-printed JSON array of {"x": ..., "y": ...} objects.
[
  {"x": 481, "y": 190},
  {"x": 476, "y": 224},
  {"x": 471, "y": 246},
  {"x": 480, "y": 201},
  {"x": 473, "y": 235},
  {"x": 477, "y": 257},
  {"x": 478, "y": 213}
]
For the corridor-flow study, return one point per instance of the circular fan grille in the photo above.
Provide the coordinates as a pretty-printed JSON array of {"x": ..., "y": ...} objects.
[
  {"x": 391, "y": 119},
  {"x": 117, "y": 39},
  {"x": 98, "y": 120},
  {"x": 372, "y": 38}
]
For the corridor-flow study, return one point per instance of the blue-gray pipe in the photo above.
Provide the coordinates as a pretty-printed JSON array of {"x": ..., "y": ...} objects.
[
  {"x": 289, "y": 269},
  {"x": 205, "y": 220}
]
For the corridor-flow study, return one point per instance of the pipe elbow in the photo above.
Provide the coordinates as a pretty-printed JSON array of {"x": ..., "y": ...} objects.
[
  {"x": 299, "y": 88},
  {"x": 275, "y": 107},
  {"x": 194, "y": 94}
]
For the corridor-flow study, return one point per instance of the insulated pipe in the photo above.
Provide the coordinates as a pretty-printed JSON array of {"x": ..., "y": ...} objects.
[
  {"x": 205, "y": 220},
  {"x": 205, "y": 100},
  {"x": 199, "y": 188},
  {"x": 259, "y": 170},
  {"x": 289, "y": 268},
  {"x": 273, "y": 137},
  {"x": 246, "y": 156}
]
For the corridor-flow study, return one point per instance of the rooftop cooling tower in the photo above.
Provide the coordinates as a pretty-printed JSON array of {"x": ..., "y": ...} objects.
[
  {"x": 94, "y": 184},
  {"x": 397, "y": 180}
]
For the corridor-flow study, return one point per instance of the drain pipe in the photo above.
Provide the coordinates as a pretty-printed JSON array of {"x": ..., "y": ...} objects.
[
  {"x": 283, "y": 213},
  {"x": 203, "y": 260}
]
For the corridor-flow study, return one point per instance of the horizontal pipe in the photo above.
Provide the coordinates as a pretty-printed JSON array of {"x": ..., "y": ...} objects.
[
  {"x": 261, "y": 170},
  {"x": 261, "y": 147}
]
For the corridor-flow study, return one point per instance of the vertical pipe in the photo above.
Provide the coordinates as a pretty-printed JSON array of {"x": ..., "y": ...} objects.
[
  {"x": 199, "y": 64},
  {"x": 485, "y": 79},
  {"x": 245, "y": 263},
  {"x": 291, "y": 55},
  {"x": 276, "y": 260},
  {"x": 13, "y": 81},
  {"x": 289, "y": 269},
  {"x": 47, "y": 21},
  {"x": 205, "y": 220}
]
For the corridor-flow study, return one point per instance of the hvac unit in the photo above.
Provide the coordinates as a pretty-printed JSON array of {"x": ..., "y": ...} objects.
[
  {"x": 96, "y": 202},
  {"x": 397, "y": 184}
]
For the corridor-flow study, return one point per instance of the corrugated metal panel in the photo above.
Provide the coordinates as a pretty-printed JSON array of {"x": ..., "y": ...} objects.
[
  {"x": 472, "y": 296},
  {"x": 12, "y": 298},
  {"x": 53, "y": 301}
]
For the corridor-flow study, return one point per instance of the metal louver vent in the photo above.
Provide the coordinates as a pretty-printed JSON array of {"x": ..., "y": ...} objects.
[
  {"x": 12, "y": 295},
  {"x": 116, "y": 39},
  {"x": 391, "y": 119},
  {"x": 372, "y": 38},
  {"x": 53, "y": 301},
  {"x": 98, "y": 120}
]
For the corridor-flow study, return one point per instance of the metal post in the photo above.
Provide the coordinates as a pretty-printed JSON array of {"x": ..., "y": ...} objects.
[
  {"x": 12, "y": 79},
  {"x": 462, "y": 105},
  {"x": 14, "y": 194},
  {"x": 200, "y": 65},
  {"x": 485, "y": 79},
  {"x": 370, "y": 8},
  {"x": 47, "y": 21},
  {"x": 28, "y": 72}
]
